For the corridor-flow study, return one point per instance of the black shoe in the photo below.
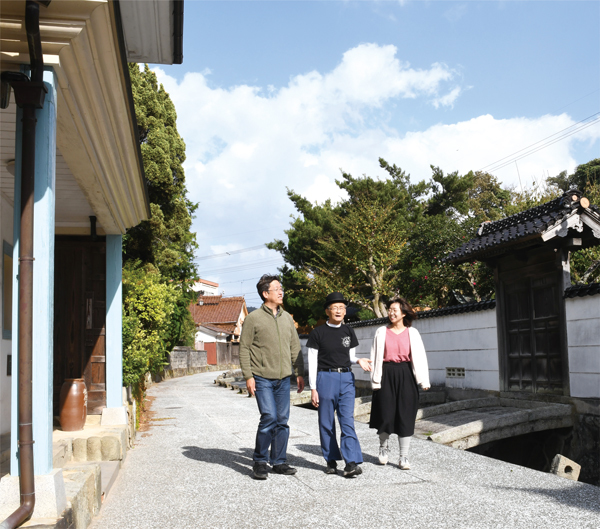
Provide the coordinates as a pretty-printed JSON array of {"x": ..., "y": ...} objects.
[
  {"x": 352, "y": 470},
  {"x": 284, "y": 469},
  {"x": 259, "y": 471},
  {"x": 331, "y": 467}
]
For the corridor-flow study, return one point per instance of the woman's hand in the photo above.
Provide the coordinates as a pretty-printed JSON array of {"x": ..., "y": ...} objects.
[{"x": 365, "y": 363}]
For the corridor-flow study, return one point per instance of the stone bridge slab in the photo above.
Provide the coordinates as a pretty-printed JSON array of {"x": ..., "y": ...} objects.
[{"x": 468, "y": 423}]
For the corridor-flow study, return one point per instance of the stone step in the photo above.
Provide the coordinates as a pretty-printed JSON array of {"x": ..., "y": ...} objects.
[
  {"x": 110, "y": 471},
  {"x": 64, "y": 522},
  {"x": 83, "y": 490},
  {"x": 61, "y": 453},
  {"x": 99, "y": 448}
]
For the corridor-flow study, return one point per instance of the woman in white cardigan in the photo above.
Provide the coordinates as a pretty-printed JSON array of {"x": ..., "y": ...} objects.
[{"x": 399, "y": 364}]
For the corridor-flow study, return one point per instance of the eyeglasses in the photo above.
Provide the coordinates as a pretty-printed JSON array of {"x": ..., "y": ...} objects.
[{"x": 276, "y": 290}]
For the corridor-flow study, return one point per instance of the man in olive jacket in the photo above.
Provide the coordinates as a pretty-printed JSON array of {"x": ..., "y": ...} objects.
[{"x": 269, "y": 349}]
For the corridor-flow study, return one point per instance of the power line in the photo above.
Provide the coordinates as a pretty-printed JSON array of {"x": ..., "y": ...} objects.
[
  {"x": 219, "y": 236},
  {"x": 239, "y": 281},
  {"x": 241, "y": 268},
  {"x": 582, "y": 97},
  {"x": 233, "y": 252},
  {"x": 545, "y": 145},
  {"x": 511, "y": 158}
]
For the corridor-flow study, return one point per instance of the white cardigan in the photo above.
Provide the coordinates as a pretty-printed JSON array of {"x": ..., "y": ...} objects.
[{"x": 418, "y": 358}]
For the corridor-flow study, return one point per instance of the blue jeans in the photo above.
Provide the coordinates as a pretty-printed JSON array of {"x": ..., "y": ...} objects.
[
  {"x": 336, "y": 394},
  {"x": 273, "y": 399}
]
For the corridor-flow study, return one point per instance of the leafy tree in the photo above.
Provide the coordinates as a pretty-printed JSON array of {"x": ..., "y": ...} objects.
[
  {"x": 456, "y": 208},
  {"x": 314, "y": 239},
  {"x": 158, "y": 253},
  {"x": 487, "y": 199},
  {"x": 389, "y": 236},
  {"x": 165, "y": 240},
  {"x": 450, "y": 193},
  {"x": 148, "y": 307},
  {"x": 530, "y": 197},
  {"x": 366, "y": 251},
  {"x": 585, "y": 264},
  {"x": 586, "y": 175}
]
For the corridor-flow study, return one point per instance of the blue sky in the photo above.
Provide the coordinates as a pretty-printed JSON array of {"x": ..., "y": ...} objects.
[{"x": 283, "y": 94}]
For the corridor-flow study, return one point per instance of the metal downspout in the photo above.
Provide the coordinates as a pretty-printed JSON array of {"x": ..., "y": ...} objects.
[{"x": 29, "y": 95}]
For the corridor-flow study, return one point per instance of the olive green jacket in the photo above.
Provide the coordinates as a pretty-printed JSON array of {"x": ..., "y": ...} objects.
[{"x": 269, "y": 345}]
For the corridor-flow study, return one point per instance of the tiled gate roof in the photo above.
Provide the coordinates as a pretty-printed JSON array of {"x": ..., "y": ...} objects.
[{"x": 520, "y": 229}]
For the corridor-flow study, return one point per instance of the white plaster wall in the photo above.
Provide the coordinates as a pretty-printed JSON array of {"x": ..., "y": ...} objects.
[
  {"x": 462, "y": 340},
  {"x": 583, "y": 338},
  {"x": 6, "y": 230},
  {"x": 205, "y": 337},
  {"x": 466, "y": 340},
  {"x": 209, "y": 290}
]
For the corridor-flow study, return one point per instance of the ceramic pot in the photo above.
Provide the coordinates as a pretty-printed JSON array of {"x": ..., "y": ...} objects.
[{"x": 73, "y": 404}]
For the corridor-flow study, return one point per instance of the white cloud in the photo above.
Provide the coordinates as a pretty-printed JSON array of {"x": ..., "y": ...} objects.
[
  {"x": 456, "y": 12},
  {"x": 246, "y": 144},
  {"x": 448, "y": 99}
]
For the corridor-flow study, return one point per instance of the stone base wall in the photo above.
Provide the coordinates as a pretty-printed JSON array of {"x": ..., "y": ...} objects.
[
  {"x": 584, "y": 447},
  {"x": 183, "y": 361}
]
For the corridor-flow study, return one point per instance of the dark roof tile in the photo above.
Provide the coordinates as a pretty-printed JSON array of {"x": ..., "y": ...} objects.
[
  {"x": 578, "y": 291},
  {"x": 527, "y": 224},
  {"x": 435, "y": 313}
]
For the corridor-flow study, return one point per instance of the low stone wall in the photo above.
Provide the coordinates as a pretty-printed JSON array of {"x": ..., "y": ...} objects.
[{"x": 183, "y": 361}]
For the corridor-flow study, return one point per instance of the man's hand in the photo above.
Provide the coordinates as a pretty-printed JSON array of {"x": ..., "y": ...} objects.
[
  {"x": 314, "y": 398},
  {"x": 251, "y": 386},
  {"x": 365, "y": 363},
  {"x": 300, "y": 382}
]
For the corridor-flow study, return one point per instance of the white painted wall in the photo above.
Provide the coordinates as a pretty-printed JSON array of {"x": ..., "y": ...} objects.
[
  {"x": 205, "y": 337},
  {"x": 208, "y": 288},
  {"x": 6, "y": 231},
  {"x": 583, "y": 337},
  {"x": 466, "y": 340}
]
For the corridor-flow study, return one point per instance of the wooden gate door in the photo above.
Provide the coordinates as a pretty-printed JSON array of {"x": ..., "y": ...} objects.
[
  {"x": 211, "y": 353},
  {"x": 533, "y": 349},
  {"x": 80, "y": 317}
]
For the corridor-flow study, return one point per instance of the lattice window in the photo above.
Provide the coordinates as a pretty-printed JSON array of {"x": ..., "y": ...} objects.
[{"x": 455, "y": 372}]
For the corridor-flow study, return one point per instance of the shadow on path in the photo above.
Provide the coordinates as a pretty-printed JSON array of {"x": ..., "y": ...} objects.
[
  {"x": 583, "y": 496},
  {"x": 316, "y": 450},
  {"x": 239, "y": 461}
]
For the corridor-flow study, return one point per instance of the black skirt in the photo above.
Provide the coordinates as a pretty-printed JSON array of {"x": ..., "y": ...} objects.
[{"x": 394, "y": 406}]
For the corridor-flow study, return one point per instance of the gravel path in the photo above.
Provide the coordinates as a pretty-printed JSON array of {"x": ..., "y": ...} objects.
[{"x": 192, "y": 470}]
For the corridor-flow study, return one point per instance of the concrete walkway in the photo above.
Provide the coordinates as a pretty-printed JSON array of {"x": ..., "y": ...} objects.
[{"x": 192, "y": 470}]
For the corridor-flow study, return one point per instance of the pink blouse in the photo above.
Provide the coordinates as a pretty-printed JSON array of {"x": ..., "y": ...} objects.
[{"x": 397, "y": 346}]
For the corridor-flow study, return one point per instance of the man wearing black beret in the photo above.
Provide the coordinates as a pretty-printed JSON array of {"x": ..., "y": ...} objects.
[{"x": 331, "y": 353}]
